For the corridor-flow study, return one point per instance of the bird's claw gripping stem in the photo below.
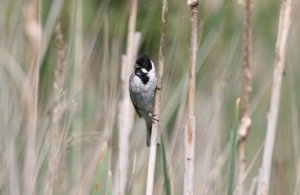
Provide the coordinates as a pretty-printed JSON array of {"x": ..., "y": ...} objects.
[{"x": 153, "y": 118}]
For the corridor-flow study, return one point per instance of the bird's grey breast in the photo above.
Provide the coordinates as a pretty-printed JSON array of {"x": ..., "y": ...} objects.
[{"x": 142, "y": 94}]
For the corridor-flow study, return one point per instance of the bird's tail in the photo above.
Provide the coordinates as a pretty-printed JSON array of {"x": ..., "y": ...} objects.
[{"x": 149, "y": 130}]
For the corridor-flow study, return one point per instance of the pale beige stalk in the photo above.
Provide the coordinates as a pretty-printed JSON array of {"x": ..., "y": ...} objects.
[
  {"x": 77, "y": 90},
  {"x": 34, "y": 34},
  {"x": 156, "y": 125},
  {"x": 190, "y": 129},
  {"x": 283, "y": 32},
  {"x": 126, "y": 112}
]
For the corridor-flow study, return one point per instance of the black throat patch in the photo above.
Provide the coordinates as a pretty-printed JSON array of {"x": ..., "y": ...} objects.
[{"x": 143, "y": 76}]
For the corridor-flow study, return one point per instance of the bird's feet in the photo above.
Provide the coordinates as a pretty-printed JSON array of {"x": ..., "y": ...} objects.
[{"x": 153, "y": 117}]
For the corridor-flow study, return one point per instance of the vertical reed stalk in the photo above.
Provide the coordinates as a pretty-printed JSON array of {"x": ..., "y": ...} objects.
[
  {"x": 190, "y": 125},
  {"x": 77, "y": 90},
  {"x": 283, "y": 31},
  {"x": 126, "y": 110},
  {"x": 245, "y": 123},
  {"x": 155, "y": 126},
  {"x": 33, "y": 32}
]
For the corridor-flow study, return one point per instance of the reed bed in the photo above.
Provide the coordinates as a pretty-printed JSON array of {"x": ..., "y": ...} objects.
[{"x": 61, "y": 87}]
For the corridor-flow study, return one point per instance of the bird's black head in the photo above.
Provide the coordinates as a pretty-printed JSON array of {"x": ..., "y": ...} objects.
[{"x": 143, "y": 61}]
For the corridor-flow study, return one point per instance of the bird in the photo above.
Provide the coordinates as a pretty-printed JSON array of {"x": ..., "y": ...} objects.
[{"x": 142, "y": 90}]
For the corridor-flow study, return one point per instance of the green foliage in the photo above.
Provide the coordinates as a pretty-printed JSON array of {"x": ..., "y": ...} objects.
[
  {"x": 233, "y": 152},
  {"x": 102, "y": 184},
  {"x": 103, "y": 44},
  {"x": 167, "y": 183}
]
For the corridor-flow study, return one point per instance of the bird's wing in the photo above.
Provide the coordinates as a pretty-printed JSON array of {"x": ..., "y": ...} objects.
[
  {"x": 135, "y": 107},
  {"x": 137, "y": 110}
]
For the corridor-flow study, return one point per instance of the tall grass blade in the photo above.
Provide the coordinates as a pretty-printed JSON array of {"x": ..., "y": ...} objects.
[
  {"x": 102, "y": 182},
  {"x": 167, "y": 183},
  {"x": 234, "y": 141}
]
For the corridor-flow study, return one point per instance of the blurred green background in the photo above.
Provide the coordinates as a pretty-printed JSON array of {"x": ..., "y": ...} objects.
[{"x": 93, "y": 96}]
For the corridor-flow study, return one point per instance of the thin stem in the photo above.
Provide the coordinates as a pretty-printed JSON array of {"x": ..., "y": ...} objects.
[
  {"x": 190, "y": 125},
  {"x": 245, "y": 123},
  {"x": 78, "y": 90},
  {"x": 126, "y": 111},
  {"x": 155, "y": 126},
  {"x": 34, "y": 34},
  {"x": 283, "y": 31}
]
